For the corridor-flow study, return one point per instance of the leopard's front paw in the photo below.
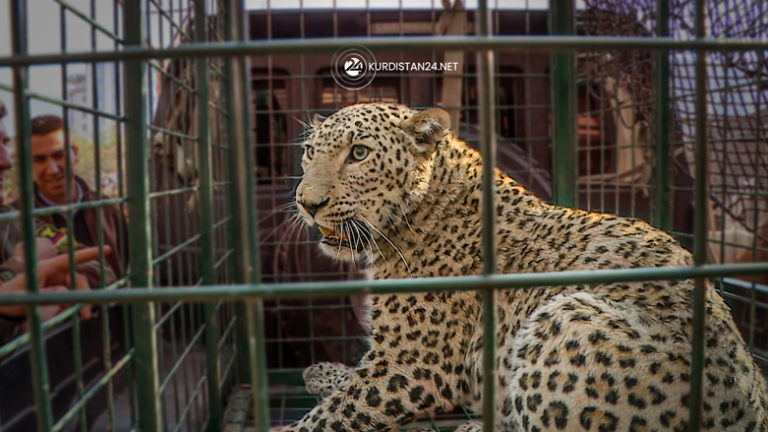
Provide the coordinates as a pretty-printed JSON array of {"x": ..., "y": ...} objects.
[
  {"x": 472, "y": 426},
  {"x": 322, "y": 379}
]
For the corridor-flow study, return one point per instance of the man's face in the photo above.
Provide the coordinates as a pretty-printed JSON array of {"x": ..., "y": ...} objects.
[
  {"x": 49, "y": 165},
  {"x": 5, "y": 152}
]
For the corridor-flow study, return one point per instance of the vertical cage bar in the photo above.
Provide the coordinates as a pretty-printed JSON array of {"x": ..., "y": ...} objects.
[
  {"x": 486, "y": 98},
  {"x": 207, "y": 256},
  {"x": 122, "y": 227},
  {"x": 254, "y": 309},
  {"x": 759, "y": 114},
  {"x": 137, "y": 169},
  {"x": 563, "y": 97},
  {"x": 70, "y": 225},
  {"x": 237, "y": 180},
  {"x": 106, "y": 336},
  {"x": 41, "y": 386},
  {"x": 700, "y": 227},
  {"x": 258, "y": 362},
  {"x": 663, "y": 112}
]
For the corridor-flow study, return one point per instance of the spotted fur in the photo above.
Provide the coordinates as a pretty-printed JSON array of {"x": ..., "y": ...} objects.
[
  {"x": 322, "y": 379},
  {"x": 611, "y": 357}
]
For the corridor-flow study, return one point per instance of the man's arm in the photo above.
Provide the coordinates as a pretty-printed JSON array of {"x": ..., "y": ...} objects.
[
  {"x": 13, "y": 318},
  {"x": 53, "y": 274}
]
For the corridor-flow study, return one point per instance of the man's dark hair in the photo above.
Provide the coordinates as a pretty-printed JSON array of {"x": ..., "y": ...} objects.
[
  {"x": 45, "y": 124},
  {"x": 3, "y": 109}
]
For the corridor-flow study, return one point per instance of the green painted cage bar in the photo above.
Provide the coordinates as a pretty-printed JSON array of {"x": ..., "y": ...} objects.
[
  {"x": 238, "y": 148},
  {"x": 385, "y": 44},
  {"x": 40, "y": 381},
  {"x": 486, "y": 99},
  {"x": 662, "y": 122},
  {"x": 386, "y": 286},
  {"x": 254, "y": 308},
  {"x": 245, "y": 286},
  {"x": 700, "y": 228},
  {"x": 563, "y": 95},
  {"x": 143, "y": 315},
  {"x": 207, "y": 257},
  {"x": 68, "y": 170}
]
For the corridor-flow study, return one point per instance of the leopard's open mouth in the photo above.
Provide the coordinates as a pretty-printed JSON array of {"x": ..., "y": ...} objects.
[
  {"x": 335, "y": 238},
  {"x": 332, "y": 237}
]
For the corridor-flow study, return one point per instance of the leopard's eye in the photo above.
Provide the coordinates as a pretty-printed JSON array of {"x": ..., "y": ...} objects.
[
  {"x": 309, "y": 151},
  {"x": 358, "y": 153}
]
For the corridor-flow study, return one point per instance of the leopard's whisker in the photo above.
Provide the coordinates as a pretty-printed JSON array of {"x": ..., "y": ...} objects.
[
  {"x": 405, "y": 217},
  {"x": 280, "y": 209},
  {"x": 285, "y": 224},
  {"x": 372, "y": 242},
  {"x": 407, "y": 268},
  {"x": 341, "y": 241},
  {"x": 288, "y": 237},
  {"x": 353, "y": 240},
  {"x": 341, "y": 238},
  {"x": 277, "y": 228},
  {"x": 361, "y": 237}
]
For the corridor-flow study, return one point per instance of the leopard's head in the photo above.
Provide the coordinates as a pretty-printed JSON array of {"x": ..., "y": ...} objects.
[{"x": 365, "y": 168}]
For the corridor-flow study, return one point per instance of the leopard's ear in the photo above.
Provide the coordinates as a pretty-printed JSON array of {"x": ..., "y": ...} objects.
[
  {"x": 317, "y": 120},
  {"x": 427, "y": 128}
]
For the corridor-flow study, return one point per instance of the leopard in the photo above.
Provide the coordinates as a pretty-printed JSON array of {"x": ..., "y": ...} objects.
[{"x": 394, "y": 189}]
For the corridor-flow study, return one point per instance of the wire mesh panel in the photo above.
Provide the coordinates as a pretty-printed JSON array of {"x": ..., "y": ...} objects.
[
  {"x": 289, "y": 90},
  {"x": 84, "y": 371},
  {"x": 618, "y": 162},
  {"x": 620, "y": 104},
  {"x": 81, "y": 365},
  {"x": 188, "y": 144}
]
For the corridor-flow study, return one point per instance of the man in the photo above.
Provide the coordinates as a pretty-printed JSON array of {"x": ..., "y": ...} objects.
[
  {"x": 10, "y": 236},
  {"x": 13, "y": 319},
  {"x": 49, "y": 159},
  {"x": 5, "y": 155},
  {"x": 10, "y": 232}
]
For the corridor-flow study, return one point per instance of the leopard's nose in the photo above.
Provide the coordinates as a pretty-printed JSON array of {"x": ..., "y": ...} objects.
[{"x": 312, "y": 208}]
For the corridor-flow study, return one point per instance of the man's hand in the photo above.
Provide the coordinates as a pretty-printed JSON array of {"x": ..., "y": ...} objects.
[
  {"x": 54, "y": 272},
  {"x": 48, "y": 311},
  {"x": 53, "y": 275},
  {"x": 44, "y": 249}
]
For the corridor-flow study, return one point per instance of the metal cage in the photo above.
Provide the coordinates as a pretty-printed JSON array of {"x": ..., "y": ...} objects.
[{"x": 187, "y": 116}]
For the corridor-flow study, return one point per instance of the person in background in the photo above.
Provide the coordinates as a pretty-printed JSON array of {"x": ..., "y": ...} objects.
[
  {"x": 13, "y": 319},
  {"x": 10, "y": 232},
  {"x": 5, "y": 154},
  {"x": 49, "y": 160}
]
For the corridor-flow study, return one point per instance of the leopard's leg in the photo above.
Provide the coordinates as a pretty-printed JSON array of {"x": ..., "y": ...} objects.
[
  {"x": 403, "y": 377},
  {"x": 373, "y": 399},
  {"x": 473, "y": 426},
  {"x": 322, "y": 379}
]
